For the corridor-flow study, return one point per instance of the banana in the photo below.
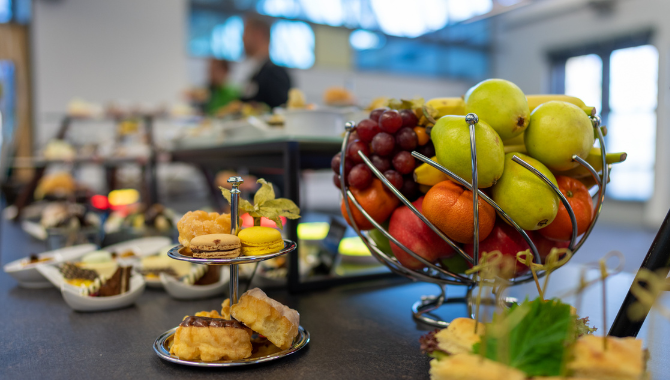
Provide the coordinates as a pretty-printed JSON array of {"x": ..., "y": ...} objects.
[
  {"x": 589, "y": 182},
  {"x": 447, "y": 106},
  {"x": 427, "y": 175},
  {"x": 534, "y": 101},
  {"x": 594, "y": 159}
]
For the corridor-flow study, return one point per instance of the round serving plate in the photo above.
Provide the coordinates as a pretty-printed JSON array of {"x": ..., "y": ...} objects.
[
  {"x": 162, "y": 348},
  {"x": 176, "y": 254}
]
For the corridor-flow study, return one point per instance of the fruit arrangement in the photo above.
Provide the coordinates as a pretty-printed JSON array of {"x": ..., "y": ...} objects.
[{"x": 528, "y": 149}]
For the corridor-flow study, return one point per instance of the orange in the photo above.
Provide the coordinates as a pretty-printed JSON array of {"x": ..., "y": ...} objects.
[
  {"x": 582, "y": 205},
  {"x": 449, "y": 207},
  {"x": 422, "y": 136},
  {"x": 375, "y": 200}
]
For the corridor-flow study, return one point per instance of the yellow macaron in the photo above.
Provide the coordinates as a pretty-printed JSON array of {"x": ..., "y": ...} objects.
[{"x": 260, "y": 241}]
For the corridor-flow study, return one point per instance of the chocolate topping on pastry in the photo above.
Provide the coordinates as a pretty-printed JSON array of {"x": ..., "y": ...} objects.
[
  {"x": 71, "y": 271},
  {"x": 209, "y": 322}
]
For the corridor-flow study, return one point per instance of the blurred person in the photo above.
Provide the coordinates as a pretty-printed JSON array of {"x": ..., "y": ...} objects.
[
  {"x": 220, "y": 92},
  {"x": 265, "y": 82}
]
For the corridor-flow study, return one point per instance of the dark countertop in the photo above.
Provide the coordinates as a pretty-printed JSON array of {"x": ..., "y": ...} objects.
[{"x": 358, "y": 331}]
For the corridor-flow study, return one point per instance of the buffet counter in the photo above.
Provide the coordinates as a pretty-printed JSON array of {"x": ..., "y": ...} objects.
[{"x": 364, "y": 330}]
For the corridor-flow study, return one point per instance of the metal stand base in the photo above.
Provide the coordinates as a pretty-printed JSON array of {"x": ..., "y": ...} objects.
[{"x": 422, "y": 309}]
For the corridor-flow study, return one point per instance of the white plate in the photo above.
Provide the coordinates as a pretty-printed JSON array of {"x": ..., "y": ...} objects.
[
  {"x": 78, "y": 302},
  {"x": 29, "y": 275},
  {"x": 179, "y": 290},
  {"x": 141, "y": 247},
  {"x": 34, "y": 229}
]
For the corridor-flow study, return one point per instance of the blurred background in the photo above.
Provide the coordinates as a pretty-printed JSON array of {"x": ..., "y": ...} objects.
[{"x": 80, "y": 78}]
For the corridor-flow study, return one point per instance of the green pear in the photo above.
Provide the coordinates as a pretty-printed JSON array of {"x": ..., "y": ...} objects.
[
  {"x": 558, "y": 130},
  {"x": 380, "y": 240},
  {"x": 500, "y": 103},
  {"x": 525, "y": 197},
  {"x": 451, "y": 137}
]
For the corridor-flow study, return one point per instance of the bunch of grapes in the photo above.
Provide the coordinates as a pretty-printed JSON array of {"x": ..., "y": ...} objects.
[{"x": 387, "y": 138}]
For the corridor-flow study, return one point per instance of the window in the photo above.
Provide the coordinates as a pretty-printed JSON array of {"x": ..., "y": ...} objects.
[
  {"x": 226, "y": 39},
  {"x": 292, "y": 44},
  {"x": 621, "y": 79},
  {"x": 5, "y": 11},
  {"x": 396, "y": 36}
]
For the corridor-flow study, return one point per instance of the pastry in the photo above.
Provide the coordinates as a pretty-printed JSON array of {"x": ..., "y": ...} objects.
[
  {"x": 196, "y": 223},
  {"x": 225, "y": 308},
  {"x": 215, "y": 246},
  {"x": 76, "y": 276},
  {"x": 35, "y": 259},
  {"x": 472, "y": 367},
  {"x": 623, "y": 359},
  {"x": 57, "y": 184},
  {"x": 210, "y": 314},
  {"x": 260, "y": 241},
  {"x": 97, "y": 257},
  {"x": 460, "y": 336},
  {"x": 102, "y": 286},
  {"x": 263, "y": 347},
  {"x": 267, "y": 317},
  {"x": 153, "y": 266},
  {"x": 211, "y": 339},
  {"x": 202, "y": 275}
]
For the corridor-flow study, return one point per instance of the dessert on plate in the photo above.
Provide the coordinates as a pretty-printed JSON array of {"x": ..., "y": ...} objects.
[
  {"x": 215, "y": 246},
  {"x": 258, "y": 241},
  {"x": 196, "y": 223},
  {"x": 211, "y": 339},
  {"x": 533, "y": 340},
  {"x": 98, "y": 274},
  {"x": 270, "y": 327},
  {"x": 262, "y": 314}
]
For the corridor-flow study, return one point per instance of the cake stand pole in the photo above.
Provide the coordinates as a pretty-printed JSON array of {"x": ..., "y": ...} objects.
[{"x": 234, "y": 281}]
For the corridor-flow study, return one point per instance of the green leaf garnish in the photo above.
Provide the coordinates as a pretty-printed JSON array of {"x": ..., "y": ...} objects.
[
  {"x": 533, "y": 337},
  {"x": 265, "y": 205}
]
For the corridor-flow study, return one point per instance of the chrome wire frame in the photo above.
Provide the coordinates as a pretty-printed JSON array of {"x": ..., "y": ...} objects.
[{"x": 441, "y": 276}]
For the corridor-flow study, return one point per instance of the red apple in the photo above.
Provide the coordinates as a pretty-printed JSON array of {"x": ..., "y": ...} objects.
[
  {"x": 545, "y": 245},
  {"x": 507, "y": 240},
  {"x": 414, "y": 234}
]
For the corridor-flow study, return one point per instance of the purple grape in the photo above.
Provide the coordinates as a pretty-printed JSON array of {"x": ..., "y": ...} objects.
[
  {"x": 406, "y": 138},
  {"x": 409, "y": 119},
  {"x": 383, "y": 144}
]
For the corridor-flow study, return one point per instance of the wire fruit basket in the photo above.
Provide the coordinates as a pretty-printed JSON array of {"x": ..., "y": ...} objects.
[{"x": 433, "y": 273}]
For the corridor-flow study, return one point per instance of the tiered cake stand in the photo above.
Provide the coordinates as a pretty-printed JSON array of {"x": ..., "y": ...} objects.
[{"x": 163, "y": 343}]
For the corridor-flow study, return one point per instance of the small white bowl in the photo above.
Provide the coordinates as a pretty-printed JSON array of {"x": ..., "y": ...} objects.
[
  {"x": 140, "y": 247},
  {"x": 76, "y": 301},
  {"x": 178, "y": 290},
  {"x": 29, "y": 275}
]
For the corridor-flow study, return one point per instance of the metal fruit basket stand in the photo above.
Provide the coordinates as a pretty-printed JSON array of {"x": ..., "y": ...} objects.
[
  {"x": 161, "y": 345},
  {"x": 438, "y": 275}
]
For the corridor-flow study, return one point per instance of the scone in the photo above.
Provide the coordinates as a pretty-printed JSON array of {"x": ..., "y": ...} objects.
[
  {"x": 215, "y": 246},
  {"x": 267, "y": 317},
  {"x": 211, "y": 339}
]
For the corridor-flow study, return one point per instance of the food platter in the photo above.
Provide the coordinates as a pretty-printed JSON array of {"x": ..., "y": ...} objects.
[
  {"x": 163, "y": 343},
  {"x": 176, "y": 254}
]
